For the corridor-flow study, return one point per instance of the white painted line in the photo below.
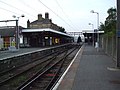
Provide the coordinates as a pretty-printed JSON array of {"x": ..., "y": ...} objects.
[
  {"x": 17, "y": 55},
  {"x": 30, "y": 52},
  {"x": 113, "y": 68},
  {"x": 60, "y": 80}
]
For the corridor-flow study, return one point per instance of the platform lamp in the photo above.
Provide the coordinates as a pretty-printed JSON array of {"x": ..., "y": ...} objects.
[
  {"x": 93, "y": 31},
  {"x": 17, "y": 30},
  {"x": 92, "y": 11}
]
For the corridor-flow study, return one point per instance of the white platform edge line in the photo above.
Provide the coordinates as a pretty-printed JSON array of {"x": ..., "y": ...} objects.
[
  {"x": 29, "y": 52},
  {"x": 60, "y": 80}
]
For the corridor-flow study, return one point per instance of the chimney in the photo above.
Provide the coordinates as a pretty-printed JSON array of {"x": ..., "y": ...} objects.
[
  {"x": 46, "y": 15},
  {"x": 39, "y": 16},
  {"x": 28, "y": 24},
  {"x": 51, "y": 20}
]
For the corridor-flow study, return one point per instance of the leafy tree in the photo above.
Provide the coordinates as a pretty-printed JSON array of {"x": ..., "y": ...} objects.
[
  {"x": 102, "y": 27},
  {"x": 109, "y": 27},
  {"x": 62, "y": 30}
]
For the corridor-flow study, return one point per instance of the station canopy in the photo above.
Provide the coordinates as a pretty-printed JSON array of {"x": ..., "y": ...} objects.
[{"x": 45, "y": 30}]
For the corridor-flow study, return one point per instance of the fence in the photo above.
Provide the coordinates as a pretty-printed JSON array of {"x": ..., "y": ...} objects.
[
  {"x": 108, "y": 44},
  {"x": 1, "y": 43}
]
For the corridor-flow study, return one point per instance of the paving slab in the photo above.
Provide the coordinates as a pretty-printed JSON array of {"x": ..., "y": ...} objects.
[{"x": 91, "y": 71}]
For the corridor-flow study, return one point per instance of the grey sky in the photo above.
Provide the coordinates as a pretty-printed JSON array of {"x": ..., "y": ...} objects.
[{"x": 73, "y": 15}]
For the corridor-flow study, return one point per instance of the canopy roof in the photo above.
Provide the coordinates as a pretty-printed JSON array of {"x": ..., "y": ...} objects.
[{"x": 46, "y": 30}]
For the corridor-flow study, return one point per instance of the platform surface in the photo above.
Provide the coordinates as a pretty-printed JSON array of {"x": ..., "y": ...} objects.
[
  {"x": 91, "y": 70},
  {"x": 7, "y": 54}
]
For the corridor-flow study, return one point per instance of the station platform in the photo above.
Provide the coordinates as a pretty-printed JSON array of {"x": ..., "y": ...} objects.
[
  {"x": 8, "y": 54},
  {"x": 91, "y": 70}
]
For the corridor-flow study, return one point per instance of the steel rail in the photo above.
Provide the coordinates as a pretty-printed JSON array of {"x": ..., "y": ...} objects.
[
  {"x": 7, "y": 80},
  {"x": 36, "y": 77}
]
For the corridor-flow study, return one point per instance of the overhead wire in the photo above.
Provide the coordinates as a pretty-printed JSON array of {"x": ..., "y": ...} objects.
[
  {"x": 14, "y": 8},
  {"x": 28, "y": 14},
  {"x": 45, "y": 6},
  {"x": 27, "y": 5},
  {"x": 8, "y": 10},
  {"x": 55, "y": 13},
  {"x": 35, "y": 10},
  {"x": 66, "y": 15}
]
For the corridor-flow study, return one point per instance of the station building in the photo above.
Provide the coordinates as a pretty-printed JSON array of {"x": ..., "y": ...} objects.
[
  {"x": 43, "y": 32},
  {"x": 91, "y": 36},
  {"x": 8, "y": 35}
]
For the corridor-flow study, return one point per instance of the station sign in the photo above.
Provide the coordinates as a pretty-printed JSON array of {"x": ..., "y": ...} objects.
[
  {"x": 118, "y": 34},
  {"x": 95, "y": 30}
]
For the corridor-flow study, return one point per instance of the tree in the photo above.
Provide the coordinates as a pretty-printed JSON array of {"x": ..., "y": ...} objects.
[
  {"x": 62, "y": 30},
  {"x": 109, "y": 27}
]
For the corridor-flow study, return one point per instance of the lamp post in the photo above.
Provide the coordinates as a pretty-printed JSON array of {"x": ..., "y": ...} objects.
[
  {"x": 93, "y": 32},
  {"x": 17, "y": 38},
  {"x": 92, "y": 11}
]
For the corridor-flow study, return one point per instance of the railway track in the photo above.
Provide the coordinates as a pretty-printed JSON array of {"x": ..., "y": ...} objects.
[
  {"x": 14, "y": 77},
  {"x": 47, "y": 79},
  {"x": 19, "y": 77}
]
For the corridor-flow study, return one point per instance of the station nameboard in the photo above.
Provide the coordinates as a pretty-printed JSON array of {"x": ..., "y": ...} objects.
[
  {"x": 95, "y": 30},
  {"x": 118, "y": 34}
]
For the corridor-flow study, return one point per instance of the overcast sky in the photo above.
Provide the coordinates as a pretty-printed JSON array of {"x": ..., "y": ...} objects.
[{"x": 73, "y": 15}]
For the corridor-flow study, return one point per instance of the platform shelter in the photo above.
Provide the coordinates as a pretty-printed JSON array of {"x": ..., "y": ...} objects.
[{"x": 45, "y": 37}]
